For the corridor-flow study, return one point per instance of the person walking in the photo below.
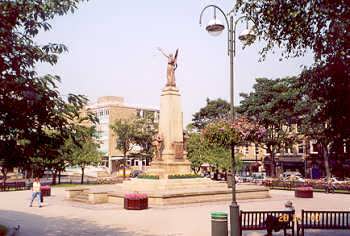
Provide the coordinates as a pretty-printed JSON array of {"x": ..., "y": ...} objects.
[{"x": 36, "y": 192}]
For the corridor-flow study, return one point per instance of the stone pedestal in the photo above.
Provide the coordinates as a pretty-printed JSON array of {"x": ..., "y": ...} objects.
[{"x": 173, "y": 158}]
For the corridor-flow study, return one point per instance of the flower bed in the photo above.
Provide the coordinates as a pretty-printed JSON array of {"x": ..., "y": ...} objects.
[
  {"x": 148, "y": 177},
  {"x": 135, "y": 201},
  {"x": 186, "y": 176},
  {"x": 304, "y": 192}
]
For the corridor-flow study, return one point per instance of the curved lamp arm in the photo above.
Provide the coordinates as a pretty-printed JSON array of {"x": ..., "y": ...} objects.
[{"x": 227, "y": 24}]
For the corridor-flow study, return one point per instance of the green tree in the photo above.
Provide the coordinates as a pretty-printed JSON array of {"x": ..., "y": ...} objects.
[
  {"x": 322, "y": 27},
  {"x": 272, "y": 105},
  {"x": 223, "y": 135},
  {"x": 199, "y": 151},
  {"x": 214, "y": 110},
  {"x": 134, "y": 132},
  {"x": 29, "y": 104},
  {"x": 83, "y": 149}
]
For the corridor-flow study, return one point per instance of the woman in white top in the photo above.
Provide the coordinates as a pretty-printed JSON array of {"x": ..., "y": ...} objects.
[{"x": 36, "y": 192}]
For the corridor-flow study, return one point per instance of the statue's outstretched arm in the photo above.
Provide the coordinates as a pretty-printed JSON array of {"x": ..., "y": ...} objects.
[{"x": 161, "y": 50}]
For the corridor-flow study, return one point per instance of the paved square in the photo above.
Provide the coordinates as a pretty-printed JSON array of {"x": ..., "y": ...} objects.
[{"x": 61, "y": 217}]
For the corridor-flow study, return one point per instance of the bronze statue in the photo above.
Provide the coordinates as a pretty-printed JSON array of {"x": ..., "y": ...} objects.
[
  {"x": 172, "y": 65},
  {"x": 157, "y": 142}
]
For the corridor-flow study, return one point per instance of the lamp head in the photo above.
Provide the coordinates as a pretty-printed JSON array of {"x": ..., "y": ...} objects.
[
  {"x": 247, "y": 36},
  {"x": 215, "y": 27}
]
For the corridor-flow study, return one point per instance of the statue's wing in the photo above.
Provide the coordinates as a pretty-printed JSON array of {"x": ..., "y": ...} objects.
[{"x": 177, "y": 51}]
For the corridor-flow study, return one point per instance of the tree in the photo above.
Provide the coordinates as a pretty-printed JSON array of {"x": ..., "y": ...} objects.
[
  {"x": 215, "y": 109},
  {"x": 137, "y": 132},
  {"x": 222, "y": 135},
  {"x": 29, "y": 104},
  {"x": 272, "y": 105},
  {"x": 83, "y": 149},
  {"x": 199, "y": 151},
  {"x": 322, "y": 27}
]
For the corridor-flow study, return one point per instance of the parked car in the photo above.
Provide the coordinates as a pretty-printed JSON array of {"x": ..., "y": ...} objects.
[
  {"x": 334, "y": 180},
  {"x": 294, "y": 178},
  {"x": 258, "y": 177},
  {"x": 135, "y": 173},
  {"x": 291, "y": 173}
]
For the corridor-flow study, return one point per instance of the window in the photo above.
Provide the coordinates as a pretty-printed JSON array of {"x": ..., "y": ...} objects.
[
  {"x": 256, "y": 149},
  {"x": 246, "y": 149},
  {"x": 313, "y": 147},
  {"x": 300, "y": 148}
]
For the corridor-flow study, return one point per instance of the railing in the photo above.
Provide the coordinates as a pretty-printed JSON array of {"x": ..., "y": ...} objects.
[
  {"x": 20, "y": 185},
  {"x": 291, "y": 185}
]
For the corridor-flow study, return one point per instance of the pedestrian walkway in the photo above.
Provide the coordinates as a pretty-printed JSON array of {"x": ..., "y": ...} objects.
[{"x": 61, "y": 217}]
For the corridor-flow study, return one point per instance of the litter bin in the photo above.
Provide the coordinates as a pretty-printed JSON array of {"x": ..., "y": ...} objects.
[{"x": 219, "y": 224}]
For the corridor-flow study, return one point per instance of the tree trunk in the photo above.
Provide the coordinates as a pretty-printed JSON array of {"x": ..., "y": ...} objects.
[
  {"x": 124, "y": 166},
  {"x": 59, "y": 177},
  {"x": 4, "y": 172},
  {"x": 82, "y": 175},
  {"x": 54, "y": 175},
  {"x": 273, "y": 164},
  {"x": 325, "y": 155}
]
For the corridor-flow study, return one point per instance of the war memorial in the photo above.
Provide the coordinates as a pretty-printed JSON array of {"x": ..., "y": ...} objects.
[{"x": 170, "y": 160}]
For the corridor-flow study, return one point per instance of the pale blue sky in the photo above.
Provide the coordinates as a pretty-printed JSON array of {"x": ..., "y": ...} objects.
[{"x": 112, "y": 51}]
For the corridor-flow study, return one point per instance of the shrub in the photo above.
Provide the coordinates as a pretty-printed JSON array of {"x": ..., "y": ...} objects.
[
  {"x": 144, "y": 176},
  {"x": 185, "y": 176}
]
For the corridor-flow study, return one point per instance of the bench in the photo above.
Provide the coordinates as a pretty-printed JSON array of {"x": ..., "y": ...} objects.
[
  {"x": 13, "y": 186},
  {"x": 339, "y": 220},
  {"x": 256, "y": 220}
]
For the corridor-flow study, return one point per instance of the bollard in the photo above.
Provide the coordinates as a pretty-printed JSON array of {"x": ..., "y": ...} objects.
[{"x": 219, "y": 224}]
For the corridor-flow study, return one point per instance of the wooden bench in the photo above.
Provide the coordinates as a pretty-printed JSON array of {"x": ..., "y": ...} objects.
[
  {"x": 256, "y": 220},
  {"x": 339, "y": 220}
]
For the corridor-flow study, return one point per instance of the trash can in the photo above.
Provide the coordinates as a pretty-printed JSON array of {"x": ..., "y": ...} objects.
[{"x": 219, "y": 224}]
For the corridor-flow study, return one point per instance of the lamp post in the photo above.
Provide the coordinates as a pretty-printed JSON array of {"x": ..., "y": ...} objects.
[{"x": 215, "y": 27}]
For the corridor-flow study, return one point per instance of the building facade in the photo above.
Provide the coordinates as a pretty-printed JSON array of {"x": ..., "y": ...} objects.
[{"x": 109, "y": 109}]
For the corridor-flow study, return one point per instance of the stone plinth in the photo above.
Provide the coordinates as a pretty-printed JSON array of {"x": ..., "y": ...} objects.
[
  {"x": 170, "y": 121},
  {"x": 184, "y": 191},
  {"x": 165, "y": 168},
  {"x": 173, "y": 158}
]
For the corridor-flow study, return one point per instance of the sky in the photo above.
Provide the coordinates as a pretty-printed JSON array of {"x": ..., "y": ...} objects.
[{"x": 113, "y": 52}]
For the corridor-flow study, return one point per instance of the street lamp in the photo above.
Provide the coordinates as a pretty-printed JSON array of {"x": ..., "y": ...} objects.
[{"x": 215, "y": 27}]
